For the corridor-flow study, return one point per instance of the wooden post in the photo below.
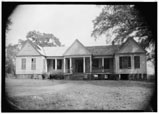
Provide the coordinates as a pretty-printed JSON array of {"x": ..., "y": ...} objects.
[
  {"x": 119, "y": 76},
  {"x": 55, "y": 63},
  {"x": 64, "y": 65},
  {"x": 70, "y": 65},
  {"x": 46, "y": 66},
  {"x": 102, "y": 64},
  {"x": 84, "y": 65},
  {"x": 132, "y": 62},
  {"x": 90, "y": 64}
]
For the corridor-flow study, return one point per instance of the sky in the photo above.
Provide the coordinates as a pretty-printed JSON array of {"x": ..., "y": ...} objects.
[{"x": 66, "y": 22}]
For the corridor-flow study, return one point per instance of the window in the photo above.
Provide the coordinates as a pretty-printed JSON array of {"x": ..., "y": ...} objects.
[
  {"x": 96, "y": 63},
  {"x": 23, "y": 64},
  {"x": 68, "y": 64},
  {"x": 125, "y": 62},
  {"x": 33, "y": 63},
  {"x": 137, "y": 61},
  {"x": 108, "y": 62},
  {"x": 59, "y": 64}
]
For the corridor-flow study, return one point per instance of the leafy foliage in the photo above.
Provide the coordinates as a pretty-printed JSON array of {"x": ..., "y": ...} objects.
[
  {"x": 43, "y": 39},
  {"x": 11, "y": 51},
  {"x": 124, "y": 21},
  {"x": 8, "y": 23}
]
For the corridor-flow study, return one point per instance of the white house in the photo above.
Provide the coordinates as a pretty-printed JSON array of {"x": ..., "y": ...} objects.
[{"x": 125, "y": 61}]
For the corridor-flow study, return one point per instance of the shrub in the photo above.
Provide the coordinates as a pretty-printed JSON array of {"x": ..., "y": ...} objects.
[
  {"x": 10, "y": 75},
  {"x": 57, "y": 75},
  {"x": 45, "y": 75}
]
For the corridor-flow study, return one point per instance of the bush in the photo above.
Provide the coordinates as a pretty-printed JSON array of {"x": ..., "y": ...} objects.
[
  {"x": 45, "y": 75},
  {"x": 57, "y": 75},
  {"x": 9, "y": 75}
]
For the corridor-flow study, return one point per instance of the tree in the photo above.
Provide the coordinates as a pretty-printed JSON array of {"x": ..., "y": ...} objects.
[
  {"x": 43, "y": 39},
  {"x": 124, "y": 21},
  {"x": 8, "y": 23},
  {"x": 11, "y": 51}
]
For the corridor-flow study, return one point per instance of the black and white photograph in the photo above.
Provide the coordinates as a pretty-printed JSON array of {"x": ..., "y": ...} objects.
[{"x": 79, "y": 56}]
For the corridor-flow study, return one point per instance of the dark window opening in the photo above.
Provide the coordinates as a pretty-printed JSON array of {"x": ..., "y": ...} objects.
[
  {"x": 68, "y": 65},
  {"x": 108, "y": 62},
  {"x": 125, "y": 62},
  {"x": 137, "y": 61},
  {"x": 59, "y": 64},
  {"x": 53, "y": 63},
  {"x": 95, "y": 63}
]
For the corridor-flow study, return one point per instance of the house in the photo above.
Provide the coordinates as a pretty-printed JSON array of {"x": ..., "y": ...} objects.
[{"x": 126, "y": 61}]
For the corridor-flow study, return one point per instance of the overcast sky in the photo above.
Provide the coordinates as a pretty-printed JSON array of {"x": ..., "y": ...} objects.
[{"x": 67, "y": 22}]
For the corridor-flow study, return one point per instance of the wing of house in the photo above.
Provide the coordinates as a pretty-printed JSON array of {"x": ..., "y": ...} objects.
[{"x": 128, "y": 58}]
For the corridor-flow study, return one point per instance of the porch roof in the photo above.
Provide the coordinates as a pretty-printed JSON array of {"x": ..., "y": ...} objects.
[{"x": 103, "y": 50}]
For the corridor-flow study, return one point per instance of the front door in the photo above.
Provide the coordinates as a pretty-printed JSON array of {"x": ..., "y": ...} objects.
[{"x": 79, "y": 65}]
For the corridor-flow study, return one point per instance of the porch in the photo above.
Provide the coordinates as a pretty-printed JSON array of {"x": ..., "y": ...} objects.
[
  {"x": 77, "y": 65},
  {"x": 83, "y": 64}
]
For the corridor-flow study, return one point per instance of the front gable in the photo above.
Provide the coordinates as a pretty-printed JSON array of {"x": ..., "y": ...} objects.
[
  {"x": 28, "y": 49},
  {"x": 77, "y": 49},
  {"x": 131, "y": 46}
]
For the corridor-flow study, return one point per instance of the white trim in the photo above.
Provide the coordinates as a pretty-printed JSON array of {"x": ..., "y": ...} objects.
[
  {"x": 90, "y": 64},
  {"x": 103, "y": 64},
  {"x": 103, "y": 57},
  {"x": 64, "y": 65},
  {"x": 70, "y": 65},
  {"x": 55, "y": 63},
  {"x": 80, "y": 56},
  {"x": 84, "y": 65}
]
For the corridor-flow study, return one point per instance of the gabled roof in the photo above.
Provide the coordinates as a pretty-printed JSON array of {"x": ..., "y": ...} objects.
[
  {"x": 131, "y": 46},
  {"x": 37, "y": 49},
  {"x": 103, "y": 50},
  {"x": 77, "y": 48}
]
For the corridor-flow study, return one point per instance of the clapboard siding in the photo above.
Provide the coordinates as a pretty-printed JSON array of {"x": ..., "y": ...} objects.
[
  {"x": 142, "y": 68},
  {"x": 39, "y": 65}
]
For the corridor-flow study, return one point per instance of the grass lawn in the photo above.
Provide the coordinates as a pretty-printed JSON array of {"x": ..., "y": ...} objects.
[{"x": 30, "y": 94}]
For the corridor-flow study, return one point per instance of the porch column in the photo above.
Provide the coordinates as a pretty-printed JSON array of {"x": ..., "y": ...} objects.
[
  {"x": 90, "y": 64},
  {"x": 46, "y": 66},
  {"x": 64, "y": 65},
  {"x": 102, "y": 64},
  {"x": 70, "y": 65},
  {"x": 55, "y": 63},
  {"x": 119, "y": 76},
  {"x": 84, "y": 65}
]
